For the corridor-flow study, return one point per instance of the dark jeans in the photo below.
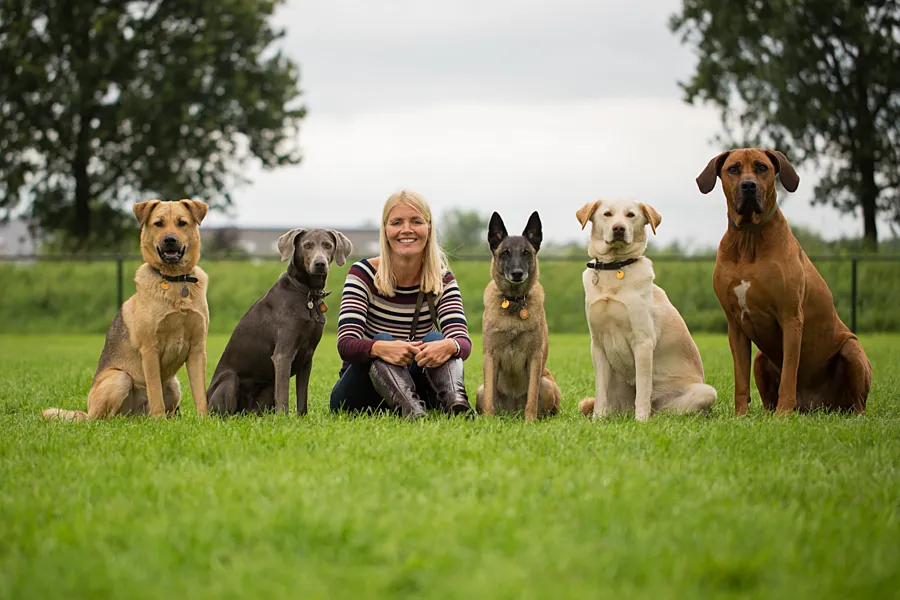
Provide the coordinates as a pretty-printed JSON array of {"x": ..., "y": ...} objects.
[{"x": 354, "y": 392}]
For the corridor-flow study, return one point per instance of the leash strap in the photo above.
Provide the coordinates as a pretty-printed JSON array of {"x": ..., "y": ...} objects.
[{"x": 431, "y": 309}]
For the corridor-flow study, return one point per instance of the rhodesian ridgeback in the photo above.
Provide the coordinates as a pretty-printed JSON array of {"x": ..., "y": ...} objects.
[{"x": 773, "y": 296}]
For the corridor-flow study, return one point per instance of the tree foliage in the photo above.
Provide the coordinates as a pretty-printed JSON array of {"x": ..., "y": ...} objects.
[
  {"x": 463, "y": 232},
  {"x": 817, "y": 79},
  {"x": 107, "y": 102}
]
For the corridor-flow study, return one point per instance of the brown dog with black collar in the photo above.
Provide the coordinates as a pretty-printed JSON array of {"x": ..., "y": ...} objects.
[{"x": 773, "y": 296}]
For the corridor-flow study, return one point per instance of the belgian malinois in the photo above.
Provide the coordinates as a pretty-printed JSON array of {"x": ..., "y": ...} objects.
[
  {"x": 514, "y": 327},
  {"x": 161, "y": 327}
]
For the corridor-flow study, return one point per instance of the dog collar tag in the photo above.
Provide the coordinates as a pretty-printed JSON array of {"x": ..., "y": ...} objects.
[
  {"x": 164, "y": 285},
  {"x": 523, "y": 314},
  {"x": 309, "y": 305},
  {"x": 323, "y": 308},
  {"x": 185, "y": 291},
  {"x": 504, "y": 304},
  {"x": 620, "y": 274}
]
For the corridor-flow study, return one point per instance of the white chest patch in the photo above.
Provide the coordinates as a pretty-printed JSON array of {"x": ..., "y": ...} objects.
[{"x": 741, "y": 292}]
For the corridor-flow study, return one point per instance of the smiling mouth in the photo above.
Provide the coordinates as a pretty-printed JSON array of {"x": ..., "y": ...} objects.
[
  {"x": 171, "y": 257},
  {"x": 408, "y": 240}
]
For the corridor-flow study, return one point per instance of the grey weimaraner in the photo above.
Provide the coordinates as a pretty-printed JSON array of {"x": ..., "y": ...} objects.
[{"x": 277, "y": 337}]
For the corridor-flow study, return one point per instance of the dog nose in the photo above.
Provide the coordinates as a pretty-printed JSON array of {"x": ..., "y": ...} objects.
[
  {"x": 170, "y": 240},
  {"x": 517, "y": 275},
  {"x": 618, "y": 231},
  {"x": 319, "y": 265},
  {"x": 748, "y": 186}
]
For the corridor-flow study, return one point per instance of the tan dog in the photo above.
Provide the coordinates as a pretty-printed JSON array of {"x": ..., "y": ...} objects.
[
  {"x": 644, "y": 357},
  {"x": 773, "y": 296},
  {"x": 514, "y": 328},
  {"x": 162, "y": 326}
]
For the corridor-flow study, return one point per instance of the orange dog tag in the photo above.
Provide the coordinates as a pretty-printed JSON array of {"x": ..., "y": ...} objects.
[
  {"x": 164, "y": 285},
  {"x": 323, "y": 308},
  {"x": 523, "y": 314},
  {"x": 504, "y": 304},
  {"x": 620, "y": 274}
]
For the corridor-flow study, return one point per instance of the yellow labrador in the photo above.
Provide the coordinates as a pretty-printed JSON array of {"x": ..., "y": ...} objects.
[{"x": 644, "y": 357}]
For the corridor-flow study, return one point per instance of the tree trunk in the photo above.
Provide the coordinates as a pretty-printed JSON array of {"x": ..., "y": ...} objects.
[
  {"x": 81, "y": 224},
  {"x": 868, "y": 195},
  {"x": 80, "y": 227},
  {"x": 865, "y": 154}
]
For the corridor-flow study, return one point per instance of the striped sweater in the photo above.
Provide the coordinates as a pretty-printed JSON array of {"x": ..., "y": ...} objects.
[{"x": 365, "y": 313}]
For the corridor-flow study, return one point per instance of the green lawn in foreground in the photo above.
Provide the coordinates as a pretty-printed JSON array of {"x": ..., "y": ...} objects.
[{"x": 337, "y": 507}]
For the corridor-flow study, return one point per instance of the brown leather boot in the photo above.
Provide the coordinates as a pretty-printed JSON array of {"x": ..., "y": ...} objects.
[
  {"x": 449, "y": 386},
  {"x": 396, "y": 386}
]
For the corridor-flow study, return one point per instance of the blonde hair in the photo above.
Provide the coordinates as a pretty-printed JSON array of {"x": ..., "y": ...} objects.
[{"x": 434, "y": 262}]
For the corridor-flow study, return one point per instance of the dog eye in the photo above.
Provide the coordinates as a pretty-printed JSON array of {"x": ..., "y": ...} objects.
[
  {"x": 308, "y": 245},
  {"x": 733, "y": 169},
  {"x": 761, "y": 168},
  {"x": 327, "y": 246},
  {"x": 525, "y": 252},
  {"x": 182, "y": 223},
  {"x": 607, "y": 214},
  {"x": 504, "y": 253},
  {"x": 158, "y": 224},
  {"x": 630, "y": 215}
]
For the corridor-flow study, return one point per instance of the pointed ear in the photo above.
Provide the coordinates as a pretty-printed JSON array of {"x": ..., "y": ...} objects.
[
  {"x": 198, "y": 209},
  {"x": 342, "y": 247},
  {"x": 533, "y": 232},
  {"x": 789, "y": 178},
  {"x": 653, "y": 217},
  {"x": 585, "y": 213},
  {"x": 706, "y": 180},
  {"x": 496, "y": 231},
  {"x": 286, "y": 243},
  {"x": 142, "y": 210}
]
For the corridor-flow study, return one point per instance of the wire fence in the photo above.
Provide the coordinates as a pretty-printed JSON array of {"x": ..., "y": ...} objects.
[{"x": 863, "y": 285}]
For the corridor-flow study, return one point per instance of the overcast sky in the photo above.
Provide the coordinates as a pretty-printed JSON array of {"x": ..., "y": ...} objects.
[{"x": 498, "y": 105}]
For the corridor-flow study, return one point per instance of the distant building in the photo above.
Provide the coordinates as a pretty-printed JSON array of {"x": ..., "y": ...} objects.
[
  {"x": 16, "y": 239},
  {"x": 261, "y": 241}
]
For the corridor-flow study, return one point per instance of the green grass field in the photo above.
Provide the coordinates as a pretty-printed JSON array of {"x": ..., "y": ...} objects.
[{"x": 336, "y": 507}]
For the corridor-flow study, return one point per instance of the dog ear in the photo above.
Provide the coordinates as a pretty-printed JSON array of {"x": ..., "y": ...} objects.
[
  {"x": 585, "y": 213},
  {"x": 706, "y": 180},
  {"x": 198, "y": 209},
  {"x": 533, "y": 232},
  {"x": 286, "y": 242},
  {"x": 789, "y": 178},
  {"x": 653, "y": 217},
  {"x": 342, "y": 247},
  {"x": 142, "y": 210},
  {"x": 496, "y": 231}
]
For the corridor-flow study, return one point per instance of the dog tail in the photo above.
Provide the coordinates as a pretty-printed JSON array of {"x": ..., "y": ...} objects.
[
  {"x": 64, "y": 415},
  {"x": 586, "y": 406}
]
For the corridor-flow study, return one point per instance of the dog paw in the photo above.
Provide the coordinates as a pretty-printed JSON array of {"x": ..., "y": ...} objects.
[{"x": 642, "y": 414}]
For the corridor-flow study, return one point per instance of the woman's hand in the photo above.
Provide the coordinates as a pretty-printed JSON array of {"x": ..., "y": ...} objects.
[
  {"x": 434, "y": 354},
  {"x": 396, "y": 352}
]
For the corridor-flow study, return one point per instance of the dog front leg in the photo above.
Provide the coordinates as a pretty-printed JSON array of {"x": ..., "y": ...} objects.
[
  {"x": 533, "y": 399},
  {"x": 282, "y": 362},
  {"x": 301, "y": 382},
  {"x": 643, "y": 379},
  {"x": 740, "y": 355},
  {"x": 196, "y": 370},
  {"x": 150, "y": 365},
  {"x": 489, "y": 371},
  {"x": 601, "y": 380},
  {"x": 792, "y": 335}
]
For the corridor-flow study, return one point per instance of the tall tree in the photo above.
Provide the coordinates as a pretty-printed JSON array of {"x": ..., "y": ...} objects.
[
  {"x": 105, "y": 102},
  {"x": 818, "y": 79}
]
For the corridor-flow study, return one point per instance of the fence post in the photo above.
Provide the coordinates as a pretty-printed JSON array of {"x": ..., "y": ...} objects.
[
  {"x": 853, "y": 294},
  {"x": 119, "y": 283}
]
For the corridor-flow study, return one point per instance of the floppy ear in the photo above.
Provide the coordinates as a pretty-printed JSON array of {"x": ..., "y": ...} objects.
[
  {"x": 653, "y": 217},
  {"x": 706, "y": 180},
  {"x": 789, "y": 178},
  {"x": 142, "y": 210},
  {"x": 342, "y": 247},
  {"x": 533, "y": 232},
  {"x": 286, "y": 242},
  {"x": 496, "y": 231},
  {"x": 585, "y": 213},
  {"x": 198, "y": 209}
]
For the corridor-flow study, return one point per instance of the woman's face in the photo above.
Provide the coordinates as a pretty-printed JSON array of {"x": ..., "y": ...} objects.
[{"x": 406, "y": 231}]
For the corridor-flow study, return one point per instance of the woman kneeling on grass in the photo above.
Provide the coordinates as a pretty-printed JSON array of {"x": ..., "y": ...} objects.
[{"x": 391, "y": 306}]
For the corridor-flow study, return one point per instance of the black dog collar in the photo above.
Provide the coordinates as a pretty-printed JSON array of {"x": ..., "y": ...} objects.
[
  {"x": 177, "y": 278},
  {"x": 611, "y": 266},
  {"x": 316, "y": 299},
  {"x": 518, "y": 303}
]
